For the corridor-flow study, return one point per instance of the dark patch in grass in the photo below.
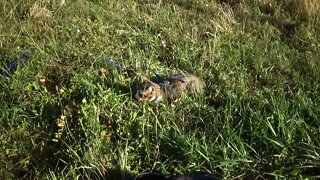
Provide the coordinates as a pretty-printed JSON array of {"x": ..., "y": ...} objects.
[
  {"x": 309, "y": 118},
  {"x": 287, "y": 27},
  {"x": 119, "y": 88},
  {"x": 216, "y": 99},
  {"x": 267, "y": 8},
  {"x": 311, "y": 172},
  {"x": 173, "y": 150},
  {"x": 231, "y": 2},
  {"x": 167, "y": 56},
  {"x": 48, "y": 154}
]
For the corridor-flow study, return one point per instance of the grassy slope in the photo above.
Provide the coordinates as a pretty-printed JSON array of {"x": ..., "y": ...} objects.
[{"x": 66, "y": 113}]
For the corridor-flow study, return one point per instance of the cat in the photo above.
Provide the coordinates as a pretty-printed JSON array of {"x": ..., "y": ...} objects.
[{"x": 171, "y": 90}]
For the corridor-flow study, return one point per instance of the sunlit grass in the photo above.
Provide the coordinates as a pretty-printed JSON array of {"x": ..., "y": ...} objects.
[{"x": 66, "y": 113}]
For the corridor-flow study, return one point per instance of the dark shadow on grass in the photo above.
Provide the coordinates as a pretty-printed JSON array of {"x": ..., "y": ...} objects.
[
  {"x": 52, "y": 147},
  {"x": 60, "y": 143},
  {"x": 159, "y": 176},
  {"x": 120, "y": 89},
  {"x": 312, "y": 172}
]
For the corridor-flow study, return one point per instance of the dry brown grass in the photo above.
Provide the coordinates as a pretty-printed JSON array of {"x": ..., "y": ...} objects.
[
  {"x": 305, "y": 9},
  {"x": 39, "y": 11},
  {"x": 225, "y": 21}
]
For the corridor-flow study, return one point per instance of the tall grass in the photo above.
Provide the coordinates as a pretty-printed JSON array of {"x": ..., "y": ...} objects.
[{"x": 67, "y": 114}]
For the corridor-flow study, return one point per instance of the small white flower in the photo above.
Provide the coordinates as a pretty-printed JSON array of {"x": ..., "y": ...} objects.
[{"x": 163, "y": 43}]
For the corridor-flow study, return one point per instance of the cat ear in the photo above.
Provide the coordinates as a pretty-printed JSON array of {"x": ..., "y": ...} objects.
[
  {"x": 151, "y": 89},
  {"x": 143, "y": 78}
]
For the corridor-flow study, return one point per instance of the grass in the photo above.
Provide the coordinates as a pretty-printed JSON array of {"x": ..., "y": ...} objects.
[{"x": 67, "y": 114}]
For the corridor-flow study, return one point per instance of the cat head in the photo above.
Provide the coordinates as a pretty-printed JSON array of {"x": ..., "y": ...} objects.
[{"x": 147, "y": 91}]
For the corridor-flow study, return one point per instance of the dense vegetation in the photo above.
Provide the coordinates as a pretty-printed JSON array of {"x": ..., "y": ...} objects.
[{"x": 66, "y": 113}]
